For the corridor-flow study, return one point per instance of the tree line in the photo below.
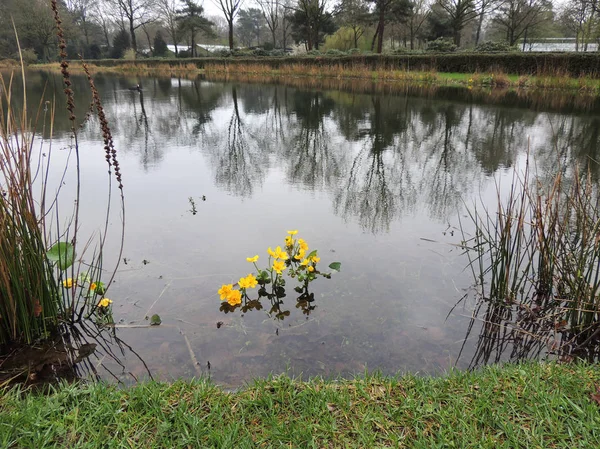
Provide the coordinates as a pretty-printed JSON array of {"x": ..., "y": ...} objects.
[{"x": 131, "y": 28}]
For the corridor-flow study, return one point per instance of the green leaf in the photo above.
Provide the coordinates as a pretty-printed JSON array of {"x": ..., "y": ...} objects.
[
  {"x": 312, "y": 254},
  {"x": 335, "y": 266},
  {"x": 155, "y": 320},
  {"x": 63, "y": 253}
]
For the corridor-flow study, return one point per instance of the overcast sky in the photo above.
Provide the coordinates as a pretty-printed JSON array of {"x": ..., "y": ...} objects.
[{"x": 211, "y": 8}]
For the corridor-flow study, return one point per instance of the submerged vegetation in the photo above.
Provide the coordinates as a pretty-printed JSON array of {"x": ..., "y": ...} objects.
[
  {"x": 536, "y": 262},
  {"x": 514, "y": 406}
]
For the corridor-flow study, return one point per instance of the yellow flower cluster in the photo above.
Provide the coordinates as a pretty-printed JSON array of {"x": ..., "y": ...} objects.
[
  {"x": 227, "y": 292},
  {"x": 293, "y": 256},
  {"x": 104, "y": 302}
]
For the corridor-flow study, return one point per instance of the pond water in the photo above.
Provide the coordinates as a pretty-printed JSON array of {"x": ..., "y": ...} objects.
[{"x": 373, "y": 178}]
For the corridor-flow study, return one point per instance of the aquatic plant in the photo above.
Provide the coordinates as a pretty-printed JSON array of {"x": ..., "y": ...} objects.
[
  {"x": 536, "y": 262},
  {"x": 293, "y": 259},
  {"x": 43, "y": 281}
]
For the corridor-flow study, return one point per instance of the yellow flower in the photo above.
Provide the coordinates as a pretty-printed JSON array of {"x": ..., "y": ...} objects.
[
  {"x": 104, "y": 302},
  {"x": 68, "y": 283},
  {"x": 279, "y": 266},
  {"x": 303, "y": 245},
  {"x": 316, "y": 259},
  {"x": 311, "y": 268},
  {"x": 278, "y": 253},
  {"x": 300, "y": 255},
  {"x": 252, "y": 259},
  {"x": 251, "y": 280},
  {"x": 289, "y": 241},
  {"x": 93, "y": 286},
  {"x": 234, "y": 297},
  {"x": 225, "y": 290},
  {"x": 248, "y": 282},
  {"x": 294, "y": 232},
  {"x": 304, "y": 262}
]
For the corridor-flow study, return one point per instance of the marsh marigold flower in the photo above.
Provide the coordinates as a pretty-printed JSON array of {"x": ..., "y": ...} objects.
[
  {"x": 289, "y": 241},
  {"x": 311, "y": 268},
  {"x": 304, "y": 262},
  {"x": 278, "y": 253},
  {"x": 234, "y": 297},
  {"x": 316, "y": 259},
  {"x": 300, "y": 255},
  {"x": 303, "y": 245},
  {"x": 104, "y": 302},
  {"x": 68, "y": 283},
  {"x": 248, "y": 282},
  {"x": 279, "y": 266},
  {"x": 225, "y": 290},
  {"x": 294, "y": 232},
  {"x": 252, "y": 259}
]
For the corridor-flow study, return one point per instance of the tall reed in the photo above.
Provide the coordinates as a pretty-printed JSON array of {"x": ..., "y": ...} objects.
[
  {"x": 44, "y": 280},
  {"x": 536, "y": 258},
  {"x": 29, "y": 294}
]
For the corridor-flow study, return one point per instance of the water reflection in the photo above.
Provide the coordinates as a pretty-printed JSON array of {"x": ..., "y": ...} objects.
[{"x": 378, "y": 155}]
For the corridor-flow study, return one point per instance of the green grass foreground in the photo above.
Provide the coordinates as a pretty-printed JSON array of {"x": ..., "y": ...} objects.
[{"x": 532, "y": 405}]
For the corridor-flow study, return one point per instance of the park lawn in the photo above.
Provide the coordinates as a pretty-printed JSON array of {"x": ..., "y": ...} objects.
[{"x": 533, "y": 405}]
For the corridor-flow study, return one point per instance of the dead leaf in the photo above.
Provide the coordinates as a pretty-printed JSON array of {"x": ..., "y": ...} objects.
[
  {"x": 331, "y": 407},
  {"x": 37, "y": 308},
  {"x": 596, "y": 396}
]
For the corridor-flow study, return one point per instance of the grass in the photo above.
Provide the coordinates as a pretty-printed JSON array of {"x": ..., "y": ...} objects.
[
  {"x": 228, "y": 68},
  {"x": 532, "y": 405}
]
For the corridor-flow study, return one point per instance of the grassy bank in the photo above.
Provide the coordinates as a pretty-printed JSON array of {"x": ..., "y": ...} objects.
[
  {"x": 530, "y": 405},
  {"x": 228, "y": 68}
]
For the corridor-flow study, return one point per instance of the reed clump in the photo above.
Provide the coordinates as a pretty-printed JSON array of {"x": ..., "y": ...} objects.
[
  {"x": 44, "y": 280},
  {"x": 536, "y": 258},
  {"x": 29, "y": 294}
]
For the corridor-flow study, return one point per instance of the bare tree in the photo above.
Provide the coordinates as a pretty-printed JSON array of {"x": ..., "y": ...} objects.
[
  {"x": 167, "y": 10},
  {"x": 460, "y": 13},
  {"x": 484, "y": 8},
  {"x": 136, "y": 13},
  {"x": 230, "y": 9},
  {"x": 418, "y": 16},
  {"x": 271, "y": 11},
  {"x": 518, "y": 17}
]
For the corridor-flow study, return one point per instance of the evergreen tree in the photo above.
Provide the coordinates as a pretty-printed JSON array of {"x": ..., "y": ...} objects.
[
  {"x": 160, "y": 46},
  {"x": 121, "y": 42}
]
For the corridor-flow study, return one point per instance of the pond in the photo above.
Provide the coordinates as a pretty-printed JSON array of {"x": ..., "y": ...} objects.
[{"x": 377, "y": 179}]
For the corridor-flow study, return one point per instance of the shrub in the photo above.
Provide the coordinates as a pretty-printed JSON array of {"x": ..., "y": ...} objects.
[
  {"x": 441, "y": 45},
  {"x": 334, "y": 52},
  {"x": 129, "y": 54},
  {"x": 260, "y": 52},
  {"x": 354, "y": 51},
  {"x": 493, "y": 47},
  {"x": 313, "y": 53},
  {"x": 276, "y": 53},
  {"x": 29, "y": 56}
]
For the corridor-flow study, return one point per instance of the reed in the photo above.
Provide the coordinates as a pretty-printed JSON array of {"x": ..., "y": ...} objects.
[
  {"x": 536, "y": 258},
  {"x": 29, "y": 294},
  {"x": 44, "y": 280}
]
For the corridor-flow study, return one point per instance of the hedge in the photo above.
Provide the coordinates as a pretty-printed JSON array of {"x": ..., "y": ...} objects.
[{"x": 573, "y": 64}]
